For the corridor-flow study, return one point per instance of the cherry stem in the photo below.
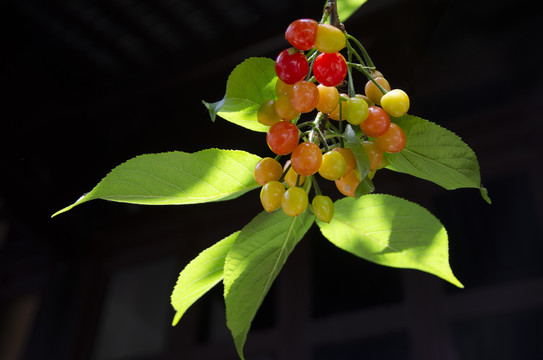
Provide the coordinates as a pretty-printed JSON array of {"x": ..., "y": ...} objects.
[
  {"x": 315, "y": 125},
  {"x": 353, "y": 51},
  {"x": 351, "y": 92},
  {"x": 317, "y": 188},
  {"x": 362, "y": 49},
  {"x": 364, "y": 70}
]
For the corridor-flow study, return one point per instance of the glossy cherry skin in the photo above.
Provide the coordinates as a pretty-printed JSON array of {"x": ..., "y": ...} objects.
[
  {"x": 393, "y": 140},
  {"x": 267, "y": 169},
  {"x": 301, "y": 33},
  {"x": 304, "y": 96},
  {"x": 294, "y": 201},
  {"x": 291, "y": 66},
  {"x": 377, "y": 122},
  {"x": 330, "y": 69},
  {"x": 306, "y": 158},
  {"x": 271, "y": 195},
  {"x": 323, "y": 208},
  {"x": 282, "y": 137}
]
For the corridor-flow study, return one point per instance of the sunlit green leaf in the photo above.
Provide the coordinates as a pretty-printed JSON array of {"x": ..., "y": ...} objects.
[
  {"x": 200, "y": 275},
  {"x": 253, "y": 263},
  {"x": 435, "y": 154},
  {"x": 176, "y": 178},
  {"x": 345, "y": 8},
  {"x": 391, "y": 231},
  {"x": 249, "y": 85}
]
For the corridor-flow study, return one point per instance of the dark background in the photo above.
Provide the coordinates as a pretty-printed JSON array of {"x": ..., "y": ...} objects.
[{"x": 90, "y": 84}]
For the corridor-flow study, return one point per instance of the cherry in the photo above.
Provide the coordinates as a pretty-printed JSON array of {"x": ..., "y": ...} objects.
[
  {"x": 347, "y": 184},
  {"x": 291, "y": 176},
  {"x": 282, "y": 137},
  {"x": 377, "y": 122},
  {"x": 284, "y": 109},
  {"x": 266, "y": 114},
  {"x": 306, "y": 158},
  {"x": 330, "y": 69},
  {"x": 375, "y": 154},
  {"x": 393, "y": 140},
  {"x": 301, "y": 33},
  {"x": 294, "y": 201},
  {"x": 323, "y": 208},
  {"x": 333, "y": 166},
  {"x": 328, "y": 99},
  {"x": 266, "y": 170},
  {"x": 271, "y": 195},
  {"x": 329, "y": 39},
  {"x": 395, "y": 102},
  {"x": 291, "y": 66},
  {"x": 304, "y": 96}
]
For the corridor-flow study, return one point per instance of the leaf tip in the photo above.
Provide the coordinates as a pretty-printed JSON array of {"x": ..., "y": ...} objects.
[
  {"x": 456, "y": 282},
  {"x": 213, "y": 108},
  {"x": 484, "y": 194},
  {"x": 177, "y": 317}
]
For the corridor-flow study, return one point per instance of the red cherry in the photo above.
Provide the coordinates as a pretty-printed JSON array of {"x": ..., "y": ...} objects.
[
  {"x": 301, "y": 33},
  {"x": 282, "y": 137},
  {"x": 291, "y": 66},
  {"x": 330, "y": 69}
]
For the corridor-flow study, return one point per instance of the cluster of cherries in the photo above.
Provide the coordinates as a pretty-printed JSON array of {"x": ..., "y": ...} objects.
[{"x": 309, "y": 81}]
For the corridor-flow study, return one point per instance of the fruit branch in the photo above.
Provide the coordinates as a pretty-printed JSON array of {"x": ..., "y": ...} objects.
[{"x": 331, "y": 8}]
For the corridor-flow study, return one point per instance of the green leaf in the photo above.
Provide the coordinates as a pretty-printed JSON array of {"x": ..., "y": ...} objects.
[
  {"x": 435, "y": 154},
  {"x": 249, "y": 85},
  {"x": 391, "y": 231},
  {"x": 345, "y": 8},
  {"x": 365, "y": 187},
  {"x": 176, "y": 178},
  {"x": 200, "y": 275},
  {"x": 253, "y": 263},
  {"x": 359, "y": 153},
  {"x": 362, "y": 161},
  {"x": 213, "y": 108}
]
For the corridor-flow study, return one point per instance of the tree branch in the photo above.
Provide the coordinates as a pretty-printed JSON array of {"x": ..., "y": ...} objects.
[{"x": 334, "y": 18}]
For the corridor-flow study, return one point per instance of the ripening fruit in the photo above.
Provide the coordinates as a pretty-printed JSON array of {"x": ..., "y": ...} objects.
[
  {"x": 281, "y": 88},
  {"x": 333, "y": 165},
  {"x": 375, "y": 154},
  {"x": 377, "y": 122},
  {"x": 323, "y": 208},
  {"x": 266, "y": 114},
  {"x": 347, "y": 184},
  {"x": 267, "y": 169},
  {"x": 328, "y": 99},
  {"x": 395, "y": 102},
  {"x": 329, "y": 39},
  {"x": 350, "y": 160},
  {"x": 373, "y": 92},
  {"x": 282, "y": 137},
  {"x": 330, "y": 69},
  {"x": 301, "y": 33},
  {"x": 291, "y": 66},
  {"x": 284, "y": 109},
  {"x": 366, "y": 99},
  {"x": 292, "y": 176},
  {"x": 304, "y": 96},
  {"x": 355, "y": 110},
  {"x": 393, "y": 140},
  {"x": 306, "y": 158},
  {"x": 294, "y": 201},
  {"x": 271, "y": 195},
  {"x": 335, "y": 113}
]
